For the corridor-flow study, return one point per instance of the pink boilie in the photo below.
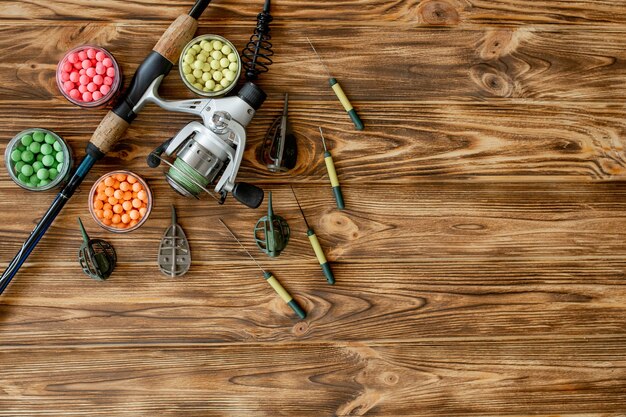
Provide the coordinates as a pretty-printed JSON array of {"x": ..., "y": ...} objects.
[{"x": 87, "y": 75}]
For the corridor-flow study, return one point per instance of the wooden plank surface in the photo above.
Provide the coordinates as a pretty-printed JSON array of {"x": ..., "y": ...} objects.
[
  {"x": 398, "y": 64},
  {"x": 473, "y": 377},
  {"x": 403, "y": 144},
  {"x": 481, "y": 263},
  {"x": 493, "y": 260},
  {"x": 446, "y": 13}
]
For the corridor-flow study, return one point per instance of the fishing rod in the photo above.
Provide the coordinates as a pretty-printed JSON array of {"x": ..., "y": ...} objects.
[{"x": 111, "y": 129}]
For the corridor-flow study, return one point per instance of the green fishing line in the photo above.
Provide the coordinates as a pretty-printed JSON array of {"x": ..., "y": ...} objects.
[{"x": 181, "y": 174}]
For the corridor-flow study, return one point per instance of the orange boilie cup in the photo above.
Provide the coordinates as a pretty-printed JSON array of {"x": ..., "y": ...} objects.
[{"x": 120, "y": 201}]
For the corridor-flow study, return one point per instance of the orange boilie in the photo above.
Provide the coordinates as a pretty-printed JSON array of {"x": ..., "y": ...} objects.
[{"x": 120, "y": 201}]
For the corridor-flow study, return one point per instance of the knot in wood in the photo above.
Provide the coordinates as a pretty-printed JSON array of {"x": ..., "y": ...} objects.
[
  {"x": 437, "y": 13},
  {"x": 301, "y": 328},
  {"x": 492, "y": 80},
  {"x": 341, "y": 225},
  {"x": 390, "y": 378},
  {"x": 498, "y": 43}
]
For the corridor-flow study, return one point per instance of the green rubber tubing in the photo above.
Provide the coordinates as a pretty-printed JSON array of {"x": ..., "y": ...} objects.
[
  {"x": 339, "y": 197},
  {"x": 297, "y": 309},
  {"x": 328, "y": 273},
  {"x": 358, "y": 123}
]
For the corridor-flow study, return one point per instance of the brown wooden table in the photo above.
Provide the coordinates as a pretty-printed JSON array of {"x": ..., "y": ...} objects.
[{"x": 480, "y": 265}]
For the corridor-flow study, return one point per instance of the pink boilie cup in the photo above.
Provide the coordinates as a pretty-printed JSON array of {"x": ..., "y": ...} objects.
[{"x": 88, "y": 76}]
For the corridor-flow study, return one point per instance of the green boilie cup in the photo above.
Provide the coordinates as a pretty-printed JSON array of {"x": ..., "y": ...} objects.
[{"x": 38, "y": 159}]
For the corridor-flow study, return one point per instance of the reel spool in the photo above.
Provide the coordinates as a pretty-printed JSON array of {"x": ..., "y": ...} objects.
[
  {"x": 280, "y": 149},
  {"x": 97, "y": 257},
  {"x": 209, "y": 155},
  {"x": 271, "y": 232}
]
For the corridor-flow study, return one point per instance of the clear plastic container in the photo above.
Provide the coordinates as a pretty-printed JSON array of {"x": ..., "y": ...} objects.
[
  {"x": 189, "y": 85},
  {"x": 62, "y": 174},
  {"x": 111, "y": 227},
  {"x": 114, "y": 87}
]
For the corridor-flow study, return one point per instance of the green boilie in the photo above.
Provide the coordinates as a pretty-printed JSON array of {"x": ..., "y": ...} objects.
[{"x": 37, "y": 159}]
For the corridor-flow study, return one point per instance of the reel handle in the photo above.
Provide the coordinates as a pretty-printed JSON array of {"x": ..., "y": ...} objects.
[{"x": 248, "y": 194}]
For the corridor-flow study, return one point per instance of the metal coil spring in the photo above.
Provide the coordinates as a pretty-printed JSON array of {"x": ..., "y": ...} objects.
[{"x": 256, "y": 55}]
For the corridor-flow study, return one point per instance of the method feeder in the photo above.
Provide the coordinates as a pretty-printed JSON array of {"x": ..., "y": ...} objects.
[
  {"x": 271, "y": 232},
  {"x": 142, "y": 89},
  {"x": 280, "y": 149},
  {"x": 174, "y": 252},
  {"x": 97, "y": 257}
]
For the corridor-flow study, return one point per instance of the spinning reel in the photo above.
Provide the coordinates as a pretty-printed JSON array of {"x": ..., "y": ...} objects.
[{"x": 209, "y": 154}]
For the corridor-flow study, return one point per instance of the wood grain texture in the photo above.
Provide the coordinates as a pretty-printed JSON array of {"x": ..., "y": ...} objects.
[
  {"x": 473, "y": 377},
  {"x": 413, "y": 13},
  {"x": 480, "y": 265},
  {"x": 417, "y": 66},
  {"x": 403, "y": 144},
  {"x": 489, "y": 260}
]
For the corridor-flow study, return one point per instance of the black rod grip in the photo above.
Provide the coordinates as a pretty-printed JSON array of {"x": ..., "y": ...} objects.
[
  {"x": 198, "y": 8},
  {"x": 150, "y": 69}
]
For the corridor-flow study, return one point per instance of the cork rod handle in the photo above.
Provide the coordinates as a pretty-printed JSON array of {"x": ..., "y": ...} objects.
[{"x": 176, "y": 37}]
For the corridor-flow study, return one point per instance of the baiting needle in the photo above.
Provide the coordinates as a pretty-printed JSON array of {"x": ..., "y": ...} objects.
[
  {"x": 332, "y": 175},
  {"x": 280, "y": 290},
  {"x": 334, "y": 84},
  {"x": 317, "y": 248}
]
